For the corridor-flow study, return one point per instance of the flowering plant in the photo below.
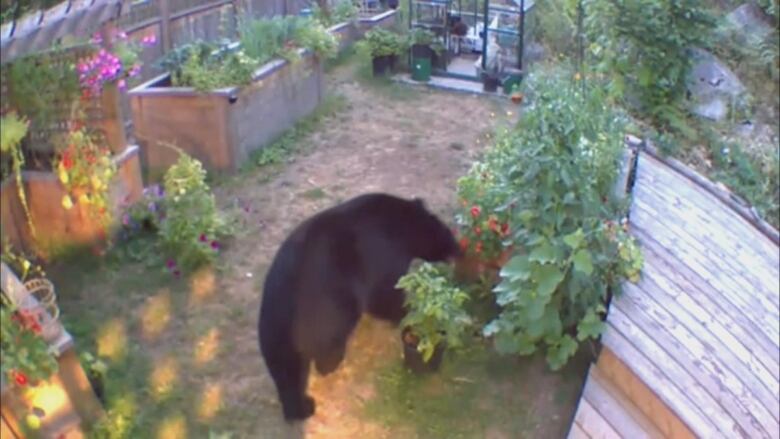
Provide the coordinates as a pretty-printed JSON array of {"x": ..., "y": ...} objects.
[
  {"x": 116, "y": 64},
  {"x": 85, "y": 169},
  {"x": 25, "y": 355}
]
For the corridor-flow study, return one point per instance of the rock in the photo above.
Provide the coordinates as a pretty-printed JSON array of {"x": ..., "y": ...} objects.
[
  {"x": 713, "y": 86},
  {"x": 749, "y": 20}
]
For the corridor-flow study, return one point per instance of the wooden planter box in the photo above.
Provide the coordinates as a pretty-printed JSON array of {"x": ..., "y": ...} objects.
[
  {"x": 222, "y": 127},
  {"x": 57, "y": 227},
  {"x": 65, "y": 402},
  {"x": 347, "y": 33},
  {"x": 385, "y": 19}
]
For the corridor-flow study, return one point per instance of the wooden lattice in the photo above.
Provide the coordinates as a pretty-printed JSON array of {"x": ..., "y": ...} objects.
[{"x": 42, "y": 136}]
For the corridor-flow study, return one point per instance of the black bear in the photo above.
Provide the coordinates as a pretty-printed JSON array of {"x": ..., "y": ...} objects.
[{"x": 334, "y": 266}]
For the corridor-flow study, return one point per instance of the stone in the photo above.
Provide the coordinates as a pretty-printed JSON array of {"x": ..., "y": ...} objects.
[
  {"x": 713, "y": 87},
  {"x": 749, "y": 20}
]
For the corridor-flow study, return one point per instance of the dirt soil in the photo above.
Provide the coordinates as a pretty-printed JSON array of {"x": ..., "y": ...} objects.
[{"x": 405, "y": 141}]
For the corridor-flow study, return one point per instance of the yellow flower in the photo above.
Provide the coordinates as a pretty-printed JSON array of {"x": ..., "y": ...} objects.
[
  {"x": 96, "y": 183},
  {"x": 67, "y": 203},
  {"x": 62, "y": 173},
  {"x": 577, "y": 76},
  {"x": 84, "y": 199}
]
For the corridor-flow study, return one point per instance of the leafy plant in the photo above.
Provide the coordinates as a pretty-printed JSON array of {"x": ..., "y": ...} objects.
[
  {"x": 342, "y": 11},
  {"x": 382, "y": 42},
  {"x": 207, "y": 66},
  {"x": 86, "y": 171},
  {"x": 315, "y": 37},
  {"x": 266, "y": 38},
  {"x": 553, "y": 176},
  {"x": 12, "y": 130},
  {"x": 435, "y": 309},
  {"x": 192, "y": 226},
  {"x": 424, "y": 37},
  {"x": 643, "y": 45},
  {"x": 26, "y": 357}
]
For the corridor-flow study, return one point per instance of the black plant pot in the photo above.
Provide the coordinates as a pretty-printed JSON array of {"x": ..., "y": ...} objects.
[
  {"x": 96, "y": 381},
  {"x": 490, "y": 83},
  {"x": 392, "y": 4},
  {"x": 422, "y": 51},
  {"x": 381, "y": 65},
  {"x": 413, "y": 359}
]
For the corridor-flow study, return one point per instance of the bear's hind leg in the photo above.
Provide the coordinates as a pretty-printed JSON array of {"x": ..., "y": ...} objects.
[{"x": 291, "y": 378}]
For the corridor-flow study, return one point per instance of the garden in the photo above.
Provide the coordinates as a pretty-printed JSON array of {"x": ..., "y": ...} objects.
[{"x": 152, "y": 256}]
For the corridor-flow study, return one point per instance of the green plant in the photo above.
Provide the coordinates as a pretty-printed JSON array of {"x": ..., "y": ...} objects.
[
  {"x": 86, "y": 171},
  {"x": 643, "y": 45},
  {"x": 553, "y": 177},
  {"x": 26, "y": 356},
  {"x": 382, "y": 42},
  {"x": 207, "y": 66},
  {"x": 424, "y": 37},
  {"x": 315, "y": 37},
  {"x": 435, "y": 309},
  {"x": 265, "y": 38},
  {"x": 192, "y": 227},
  {"x": 12, "y": 130},
  {"x": 342, "y": 11}
]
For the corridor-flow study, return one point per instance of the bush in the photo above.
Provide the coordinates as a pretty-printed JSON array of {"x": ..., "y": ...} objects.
[
  {"x": 185, "y": 215},
  {"x": 382, "y": 42},
  {"x": 342, "y": 11},
  {"x": 435, "y": 309},
  {"x": 644, "y": 46},
  {"x": 552, "y": 179}
]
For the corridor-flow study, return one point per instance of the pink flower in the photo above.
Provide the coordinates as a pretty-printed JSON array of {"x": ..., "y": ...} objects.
[{"x": 121, "y": 84}]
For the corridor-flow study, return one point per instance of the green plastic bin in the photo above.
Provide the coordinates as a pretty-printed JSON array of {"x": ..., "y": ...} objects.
[{"x": 421, "y": 69}]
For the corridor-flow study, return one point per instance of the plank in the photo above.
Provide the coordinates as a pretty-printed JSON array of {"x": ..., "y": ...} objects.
[
  {"x": 683, "y": 343},
  {"x": 683, "y": 368},
  {"x": 666, "y": 392},
  {"x": 684, "y": 275},
  {"x": 756, "y": 307},
  {"x": 657, "y": 173},
  {"x": 662, "y": 279},
  {"x": 622, "y": 414},
  {"x": 593, "y": 423},
  {"x": 738, "y": 255},
  {"x": 576, "y": 432}
]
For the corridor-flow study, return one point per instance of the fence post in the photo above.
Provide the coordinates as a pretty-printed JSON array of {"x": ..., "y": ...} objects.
[
  {"x": 165, "y": 25},
  {"x": 113, "y": 123}
]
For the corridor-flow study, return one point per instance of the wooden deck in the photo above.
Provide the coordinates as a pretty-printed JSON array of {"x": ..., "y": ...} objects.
[{"x": 695, "y": 345}]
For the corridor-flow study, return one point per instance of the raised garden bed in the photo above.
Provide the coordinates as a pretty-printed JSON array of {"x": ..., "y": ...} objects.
[
  {"x": 222, "y": 127},
  {"x": 57, "y": 227}
]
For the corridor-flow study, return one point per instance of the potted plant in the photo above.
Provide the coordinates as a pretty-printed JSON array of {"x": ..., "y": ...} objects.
[
  {"x": 435, "y": 319},
  {"x": 424, "y": 49},
  {"x": 384, "y": 47}
]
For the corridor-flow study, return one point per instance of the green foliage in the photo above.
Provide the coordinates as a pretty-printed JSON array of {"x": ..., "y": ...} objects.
[
  {"x": 553, "y": 178},
  {"x": 435, "y": 309},
  {"x": 192, "y": 225},
  {"x": 555, "y": 24},
  {"x": 25, "y": 355},
  {"x": 342, "y": 11},
  {"x": 266, "y": 38},
  {"x": 38, "y": 81},
  {"x": 207, "y": 66},
  {"x": 12, "y": 130},
  {"x": 745, "y": 176},
  {"x": 424, "y": 37},
  {"x": 382, "y": 42},
  {"x": 643, "y": 45}
]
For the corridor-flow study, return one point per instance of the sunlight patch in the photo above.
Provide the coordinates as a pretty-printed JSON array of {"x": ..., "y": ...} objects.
[
  {"x": 164, "y": 377},
  {"x": 210, "y": 402},
  {"x": 156, "y": 314},
  {"x": 112, "y": 340},
  {"x": 207, "y": 346},
  {"x": 172, "y": 428},
  {"x": 202, "y": 285}
]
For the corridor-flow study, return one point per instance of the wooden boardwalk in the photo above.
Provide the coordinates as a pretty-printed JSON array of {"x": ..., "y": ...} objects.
[{"x": 693, "y": 349}]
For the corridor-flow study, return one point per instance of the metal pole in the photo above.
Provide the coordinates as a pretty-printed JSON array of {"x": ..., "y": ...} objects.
[
  {"x": 485, "y": 35},
  {"x": 522, "y": 35}
]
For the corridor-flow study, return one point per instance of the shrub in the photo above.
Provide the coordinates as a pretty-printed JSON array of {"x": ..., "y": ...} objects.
[
  {"x": 192, "y": 227},
  {"x": 382, "y": 42},
  {"x": 644, "y": 46},
  {"x": 342, "y": 11},
  {"x": 552, "y": 177},
  {"x": 264, "y": 39},
  {"x": 435, "y": 309}
]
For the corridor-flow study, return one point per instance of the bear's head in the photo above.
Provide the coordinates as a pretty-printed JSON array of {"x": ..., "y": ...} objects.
[{"x": 433, "y": 240}]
